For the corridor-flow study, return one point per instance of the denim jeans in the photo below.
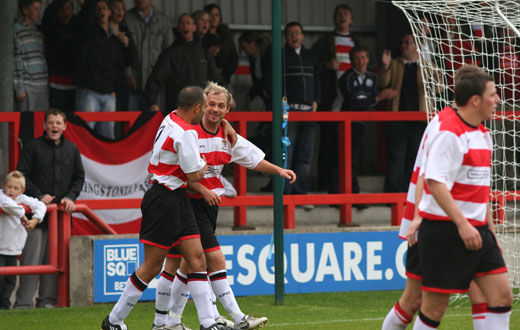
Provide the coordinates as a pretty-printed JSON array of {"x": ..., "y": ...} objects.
[
  {"x": 299, "y": 156},
  {"x": 90, "y": 101}
]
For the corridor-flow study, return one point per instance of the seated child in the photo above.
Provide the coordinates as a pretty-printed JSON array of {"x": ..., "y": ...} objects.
[{"x": 14, "y": 226}]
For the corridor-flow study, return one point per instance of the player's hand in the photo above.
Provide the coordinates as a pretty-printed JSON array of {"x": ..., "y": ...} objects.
[
  {"x": 211, "y": 197},
  {"x": 47, "y": 199},
  {"x": 411, "y": 235},
  {"x": 155, "y": 108},
  {"x": 229, "y": 132},
  {"x": 68, "y": 205},
  {"x": 470, "y": 236},
  {"x": 31, "y": 224},
  {"x": 386, "y": 58},
  {"x": 288, "y": 174}
]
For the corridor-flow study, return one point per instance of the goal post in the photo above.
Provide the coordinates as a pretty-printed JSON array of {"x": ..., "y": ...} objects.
[{"x": 452, "y": 33}]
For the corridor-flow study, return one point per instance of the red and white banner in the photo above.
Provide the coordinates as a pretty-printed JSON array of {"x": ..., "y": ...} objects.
[{"x": 113, "y": 170}]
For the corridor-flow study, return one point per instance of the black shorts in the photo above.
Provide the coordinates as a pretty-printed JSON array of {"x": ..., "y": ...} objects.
[
  {"x": 206, "y": 216},
  {"x": 413, "y": 267},
  {"x": 167, "y": 217},
  {"x": 446, "y": 265}
]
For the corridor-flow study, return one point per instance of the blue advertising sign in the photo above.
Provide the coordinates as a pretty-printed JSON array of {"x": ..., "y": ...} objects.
[{"x": 314, "y": 262}]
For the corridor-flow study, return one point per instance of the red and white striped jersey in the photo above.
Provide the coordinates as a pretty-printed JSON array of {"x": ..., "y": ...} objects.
[
  {"x": 459, "y": 156},
  {"x": 429, "y": 132},
  {"x": 218, "y": 152},
  {"x": 343, "y": 45},
  {"x": 175, "y": 153}
]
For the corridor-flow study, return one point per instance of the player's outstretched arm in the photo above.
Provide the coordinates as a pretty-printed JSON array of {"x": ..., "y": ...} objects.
[
  {"x": 470, "y": 236},
  {"x": 269, "y": 168}
]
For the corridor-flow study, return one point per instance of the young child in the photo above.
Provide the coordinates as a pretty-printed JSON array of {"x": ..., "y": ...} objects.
[{"x": 14, "y": 226}]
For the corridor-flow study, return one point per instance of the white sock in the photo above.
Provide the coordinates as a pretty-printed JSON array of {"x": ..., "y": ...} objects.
[
  {"x": 396, "y": 319},
  {"x": 478, "y": 312},
  {"x": 497, "y": 318},
  {"x": 216, "y": 313},
  {"x": 200, "y": 291},
  {"x": 162, "y": 298},
  {"x": 133, "y": 291},
  {"x": 178, "y": 298},
  {"x": 424, "y": 323},
  {"x": 224, "y": 293}
]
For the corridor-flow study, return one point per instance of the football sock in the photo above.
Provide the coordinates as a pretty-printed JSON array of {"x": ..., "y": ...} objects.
[
  {"x": 478, "y": 312},
  {"x": 162, "y": 298},
  {"x": 200, "y": 291},
  {"x": 216, "y": 313},
  {"x": 179, "y": 296},
  {"x": 422, "y": 322},
  {"x": 396, "y": 319},
  {"x": 220, "y": 286},
  {"x": 497, "y": 318},
  {"x": 133, "y": 291}
]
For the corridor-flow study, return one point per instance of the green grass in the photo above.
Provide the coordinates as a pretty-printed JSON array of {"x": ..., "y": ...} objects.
[{"x": 317, "y": 311}]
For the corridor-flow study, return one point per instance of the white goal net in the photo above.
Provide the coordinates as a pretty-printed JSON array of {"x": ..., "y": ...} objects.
[{"x": 451, "y": 33}]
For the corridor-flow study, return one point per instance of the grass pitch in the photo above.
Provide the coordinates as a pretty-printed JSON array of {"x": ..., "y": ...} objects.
[{"x": 317, "y": 311}]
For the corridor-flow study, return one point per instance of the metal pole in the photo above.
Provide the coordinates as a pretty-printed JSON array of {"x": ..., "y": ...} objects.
[
  {"x": 7, "y": 17},
  {"x": 277, "y": 151}
]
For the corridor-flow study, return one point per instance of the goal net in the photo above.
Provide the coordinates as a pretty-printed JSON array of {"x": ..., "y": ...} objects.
[{"x": 451, "y": 33}]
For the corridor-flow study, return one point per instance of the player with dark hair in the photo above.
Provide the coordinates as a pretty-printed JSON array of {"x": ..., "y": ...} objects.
[
  {"x": 456, "y": 243},
  {"x": 168, "y": 218},
  {"x": 205, "y": 197}
]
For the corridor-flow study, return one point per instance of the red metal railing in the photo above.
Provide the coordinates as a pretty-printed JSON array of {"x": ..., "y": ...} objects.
[
  {"x": 344, "y": 199},
  {"x": 58, "y": 245}
]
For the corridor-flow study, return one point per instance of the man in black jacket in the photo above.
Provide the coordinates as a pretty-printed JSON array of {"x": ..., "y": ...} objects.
[
  {"x": 184, "y": 63},
  {"x": 54, "y": 173},
  {"x": 301, "y": 78}
]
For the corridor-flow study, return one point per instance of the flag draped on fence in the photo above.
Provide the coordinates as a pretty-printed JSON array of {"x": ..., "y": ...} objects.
[{"x": 113, "y": 170}]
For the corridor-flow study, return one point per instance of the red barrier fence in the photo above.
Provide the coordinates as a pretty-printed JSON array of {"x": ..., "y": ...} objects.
[
  {"x": 58, "y": 245},
  {"x": 344, "y": 199}
]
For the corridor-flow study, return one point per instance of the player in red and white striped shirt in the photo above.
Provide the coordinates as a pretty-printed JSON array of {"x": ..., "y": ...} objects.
[
  {"x": 205, "y": 197},
  {"x": 168, "y": 218},
  {"x": 401, "y": 315},
  {"x": 456, "y": 244}
]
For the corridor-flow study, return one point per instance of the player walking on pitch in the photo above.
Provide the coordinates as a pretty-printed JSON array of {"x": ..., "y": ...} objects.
[
  {"x": 456, "y": 245},
  {"x": 401, "y": 315}
]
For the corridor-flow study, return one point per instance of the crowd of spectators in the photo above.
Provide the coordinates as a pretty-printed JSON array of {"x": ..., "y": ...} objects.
[{"x": 107, "y": 58}]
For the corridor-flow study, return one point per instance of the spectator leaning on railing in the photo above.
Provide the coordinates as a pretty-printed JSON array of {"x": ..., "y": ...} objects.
[
  {"x": 54, "y": 172},
  {"x": 14, "y": 226}
]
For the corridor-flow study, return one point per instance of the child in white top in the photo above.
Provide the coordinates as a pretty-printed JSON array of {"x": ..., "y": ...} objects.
[{"x": 14, "y": 226}]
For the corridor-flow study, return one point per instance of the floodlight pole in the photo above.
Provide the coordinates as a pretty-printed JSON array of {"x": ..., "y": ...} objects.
[{"x": 277, "y": 151}]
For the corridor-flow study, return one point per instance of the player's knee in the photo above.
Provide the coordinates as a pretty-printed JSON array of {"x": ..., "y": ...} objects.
[{"x": 215, "y": 261}]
